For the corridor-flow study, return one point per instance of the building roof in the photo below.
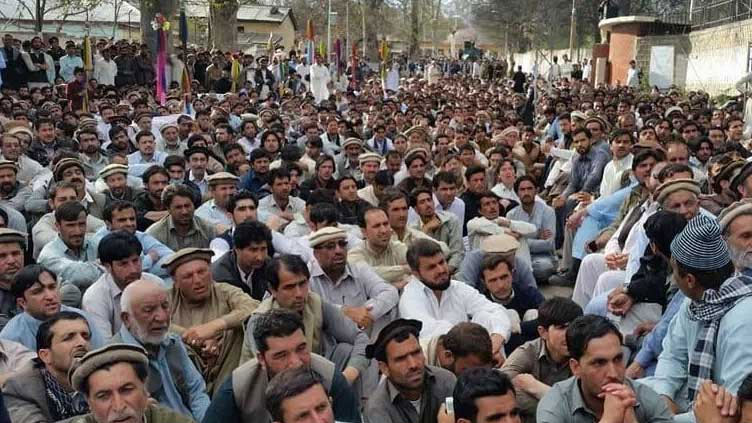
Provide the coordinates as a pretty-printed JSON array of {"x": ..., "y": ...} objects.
[
  {"x": 58, "y": 11},
  {"x": 246, "y": 13}
]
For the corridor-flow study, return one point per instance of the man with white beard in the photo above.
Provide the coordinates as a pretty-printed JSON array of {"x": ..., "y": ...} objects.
[
  {"x": 146, "y": 319},
  {"x": 736, "y": 226}
]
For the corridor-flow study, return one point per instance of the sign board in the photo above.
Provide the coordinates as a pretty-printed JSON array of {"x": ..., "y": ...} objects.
[{"x": 661, "y": 66}]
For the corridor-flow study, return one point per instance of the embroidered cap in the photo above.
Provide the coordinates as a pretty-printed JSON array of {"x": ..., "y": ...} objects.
[{"x": 326, "y": 234}]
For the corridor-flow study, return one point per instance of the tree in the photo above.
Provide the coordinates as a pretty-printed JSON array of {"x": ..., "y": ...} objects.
[
  {"x": 223, "y": 23},
  {"x": 149, "y": 10},
  {"x": 38, "y": 9}
]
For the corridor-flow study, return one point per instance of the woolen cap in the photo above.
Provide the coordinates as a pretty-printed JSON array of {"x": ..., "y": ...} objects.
[
  {"x": 700, "y": 245},
  {"x": 739, "y": 177},
  {"x": 351, "y": 141},
  {"x": 669, "y": 187},
  {"x": 326, "y": 234},
  {"x": 222, "y": 178},
  {"x": 112, "y": 169},
  {"x": 499, "y": 244},
  {"x": 168, "y": 125},
  {"x": 64, "y": 164},
  {"x": 674, "y": 109},
  {"x": 377, "y": 350},
  {"x": 10, "y": 235},
  {"x": 7, "y": 164},
  {"x": 736, "y": 209},
  {"x": 101, "y": 357},
  {"x": 185, "y": 255},
  {"x": 369, "y": 157}
]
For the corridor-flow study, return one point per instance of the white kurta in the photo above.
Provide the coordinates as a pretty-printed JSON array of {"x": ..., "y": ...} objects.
[
  {"x": 392, "y": 78},
  {"x": 319, "y": 80}
]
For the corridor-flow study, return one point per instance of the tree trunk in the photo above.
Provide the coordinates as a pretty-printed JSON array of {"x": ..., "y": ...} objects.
[
  {"x": 414, "y": 29},
  {"x": 149, "y": 9},
  {"x": 223, "y": 16}
]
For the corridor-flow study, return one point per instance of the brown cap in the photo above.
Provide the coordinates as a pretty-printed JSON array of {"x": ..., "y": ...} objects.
[
  {"x": 112, "y": 169},
  {"x": 101, "y": 357},
  {"x": 7, "y": 164},
  {"x": 669, "y": 187},
  {"x": 185, "y": 255},
  {"x": 64, "y": 164},
  {"x": 222, "y": 178},
  {"x": 499, "y": 244}
]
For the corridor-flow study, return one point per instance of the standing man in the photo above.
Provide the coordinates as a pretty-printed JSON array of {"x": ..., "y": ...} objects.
[
  {"x": 633, "y": 75},
  {"x": 70, "y": 62}
]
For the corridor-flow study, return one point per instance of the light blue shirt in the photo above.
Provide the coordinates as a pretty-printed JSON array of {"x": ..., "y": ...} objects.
[
  {"x": 210, "y": 212},
  {"x": 79, "y": 270},
  {"x": 601, "y": 213},
  {"x": 3, "y": 65},
  {"x": 69, "y": 64},
  {"x": 543, "y": 217},
  {"x": 652, "y": 346},
  {"x": 199, "y": 400},
  {"x": 733, "y": 353},
  {"x": 148, "y": 244},
  {"x": 137, "y": 164},
  {"x": 23, "y": 328}
]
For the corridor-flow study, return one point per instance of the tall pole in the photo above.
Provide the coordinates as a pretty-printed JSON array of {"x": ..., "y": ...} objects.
[
  {"x": 363, "y": 22},
  {"x": 572, "y": 31},
  {"x": 347, "y": 26},
  {"x": 329, "y": 32}
]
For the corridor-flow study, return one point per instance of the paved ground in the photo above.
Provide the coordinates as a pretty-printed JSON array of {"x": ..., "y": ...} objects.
[{"x": 556, "y": 291}]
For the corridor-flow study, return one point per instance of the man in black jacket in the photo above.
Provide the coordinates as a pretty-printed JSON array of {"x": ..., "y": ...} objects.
[{"x": 244, "y": 266}]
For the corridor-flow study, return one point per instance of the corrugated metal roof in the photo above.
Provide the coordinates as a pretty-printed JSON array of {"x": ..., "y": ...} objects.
[{"x": 249, "y": 12}]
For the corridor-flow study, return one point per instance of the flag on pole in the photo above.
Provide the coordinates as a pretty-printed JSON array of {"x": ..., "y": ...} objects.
[
  {"x": 338, "y": 54},
  {"x": 183, "y": 27},
  {"x": 384, "y": 53},
  {"x": 235, "y": 74},
  {"x": 309, "y": 42},
  {"x": 88, "y": 67},
  {"x": 354, "y": 58},
  {"x": 322, "y": 50}
]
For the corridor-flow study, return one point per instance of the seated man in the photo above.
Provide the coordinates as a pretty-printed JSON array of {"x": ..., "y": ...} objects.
[
  {"x": 349, "y": 205},
  {"x": 440, "y": 303},
  {"x": 42, "y": 391},
  {"x": 182, "y": 228},
  {"x": 71, "y": 256},
  {"x": 396, "y": 205},
  {"x": 535, "y": 211},
  {"x": 490, "y": 222},
  {"x": 520, "y": 301},
  {"x": 536, "y": 365},
  {"x": 115, "y": 176},
  {"x": 208, "y": 315},
  {"x": 103, "y": 374},
  {"x": 12, "y": 192},
  {"x": 12, "y": 247},
  {"x": 278, "y": 333},
  {"x": 45, "y": 230},
  {"x": 362, "y": 295},
  {"x": 466, "y": 345},
  {"x": 332, "y": 334},
  {"x": 121, "y": 216},
  {"x": 176, "y": 383},
  {"x": 243, "y": 208},
  {"x": 69, "y": 170},
  {"x": 13, "y": 356},
  {"x": 441, "y": 226},
  {"x": 149, "y": 201},
  {"x": 598, "y": 391},
  {"x": 221, "y": 186},
  {"x": 484, "y": 395},
  {"x": 386, "y": 255},
  {"x": 296, "y": 394},
  {"x": 280, "y": 204},
  {"x": 408, "y": 380},
  {"x": 38, "y": 294},
  {"x": 245, "y": 265},
  {"x": 121, "y": 255},
  {"x": 707, "y": 339}
]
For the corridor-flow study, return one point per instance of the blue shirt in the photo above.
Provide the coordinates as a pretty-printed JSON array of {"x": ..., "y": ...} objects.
[
  {"x": 652, "y": 346},
  {"x": 733, "y": 353},
  {"x": 148, "y": 244},
  {"x": 68, "y": 64},
  {"x": 601, "y": 213},
  {"x": 23, "y": 329},
  {"x": 543, "y": 217},
  {"x": 199, "y": 400},
  {"x": 79, "y": 270}
]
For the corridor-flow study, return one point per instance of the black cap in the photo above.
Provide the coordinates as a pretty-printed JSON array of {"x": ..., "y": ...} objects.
[{"x": 397, "y": 327}]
